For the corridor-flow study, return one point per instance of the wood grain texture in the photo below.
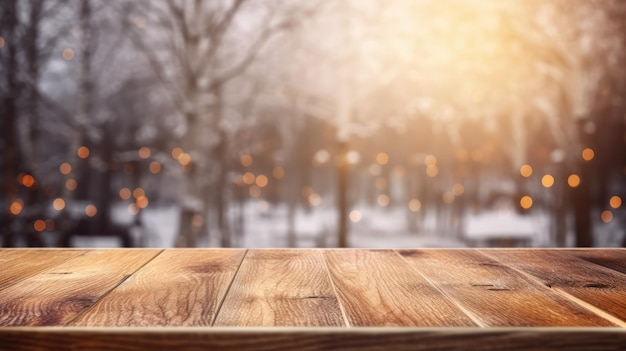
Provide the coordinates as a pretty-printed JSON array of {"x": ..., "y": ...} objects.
[
  {"x": 379, "y": 288},
  {"x": 19, "y": 264},
  {"x": 314, "y": 339},
  {"x": 177, "y": 288},
  {"x": 497, "y": 295},
  {"x": 58, "y": 294},
  {"x": 613, "y": 259},
  {"x": 281, "y": 288},
  {"x": 589, "y": 283}
]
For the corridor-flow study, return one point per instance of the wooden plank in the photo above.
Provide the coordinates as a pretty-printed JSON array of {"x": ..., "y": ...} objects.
[
  {"x": 613, "y": 259},
  {"x": 600, "y": 289},
  {"x": 177, "y": 288},
  {"x": 58, "y": 294},
  {"x": 19, "y": 264},
  {"x": 495, "y": 294},
  {"x": 313, "y": 339},
  {"x": 379, "y": 288},
  {"x": 281, "y": 288}
]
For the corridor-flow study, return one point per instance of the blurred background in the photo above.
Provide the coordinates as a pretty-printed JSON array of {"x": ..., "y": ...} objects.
[{"x": 293, "y": 123}]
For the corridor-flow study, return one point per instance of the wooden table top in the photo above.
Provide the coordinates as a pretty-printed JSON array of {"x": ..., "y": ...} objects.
[{"x": 366, "y": 299}]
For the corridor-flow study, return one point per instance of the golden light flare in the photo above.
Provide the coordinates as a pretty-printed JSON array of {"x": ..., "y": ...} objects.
[
  {"x": 458, "y": 189},
  {"x": 176, "y": 152},
  {"x": 65, "y": 168},
  {"x": 606, "y": 216},
  {"x": 588, "y": 154},
  {"x": 142, "y": 202},
  {"x": 28, "y": 180},
  {"x": 144, "y": 152},
  {"x": 382, "y": 158},
  {"x": 68, "y": 54},
  {"x": 315, "y": 199},
  {"x": 278, "y": 172},
  {"x": 138, "y": 192},
  {"x": 184, "y": 159},
  {"x": 58, "y": 204},
  {"x": 430, "y": 160},
  {"x": 526, "y": 202},
  {"x": 383, "y": 200},
  {"x": 526, "y": 171},
  {"x": 261, "y": 181},
  {"x": 573, "y": 180},
  {"x": 155, "y": 167},
  {"x": 39, "y": 225},
  {"x": 1, "y": 42},
  {"x": 547, "y": 180},
  {"x": 16, "y": 207},
  {"x": 71, "y": 184},
  {"x": 615, "y": 202},
  {"x": 415, "y": 205},
  {"x": 355, "y": 216},
  {"x": 125, "y": 193},
  {"x": 91, "y": 210},
  {"x": 246, "y": 160},
  {"x": 248, "y": 178},
  {"x": 448, "y": 197},
  {"x": 432, "y": 171},
  {"x": 83, "y": 152}
]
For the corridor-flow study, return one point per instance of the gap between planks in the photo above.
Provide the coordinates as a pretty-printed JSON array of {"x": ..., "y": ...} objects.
[
  {"x": 593, "y": 309},
  {"x": 81, "y": 313},
  {"x": 219, "y": 307},
  {"x": 332, "y": 285},
  {"x": 456, "y": 303}
]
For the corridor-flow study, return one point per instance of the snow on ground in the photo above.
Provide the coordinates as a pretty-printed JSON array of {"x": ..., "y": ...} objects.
[{"x": 378, "y": 228}]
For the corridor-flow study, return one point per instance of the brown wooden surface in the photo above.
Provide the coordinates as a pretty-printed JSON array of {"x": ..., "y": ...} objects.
[
  {"x": 58, "y": 293},
  {"x": 177, "y": 288},
  {"x": 314, "y": 339},
  {"x": 378, "y": 288},
  {"x": 230, "y": 293},
  {"x": 589, "y": 284},
  {"x": 20, "y": 264},
  {"x": 495, "y": 294},
  {"x": 281, "y": 288}
]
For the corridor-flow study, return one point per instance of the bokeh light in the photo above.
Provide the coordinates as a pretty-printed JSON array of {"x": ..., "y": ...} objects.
[
  {"x": 547, "y": 180},
  {"x": 526, "y": 171},
  {"x": 526, "y": 202}
]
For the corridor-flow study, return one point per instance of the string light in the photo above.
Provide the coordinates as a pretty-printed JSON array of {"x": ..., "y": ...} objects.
[
  {"x": 144, "y": 152},
  {"x": 588, "y": 154},
  {"x": 526, "y": 202},
  {"x": 155, "y": 167},
  {"x": 83, "y": 152},
  {"x": 65, "y": 168},
  {"x": 615, "y": 201},
  {"x": 573, "y": 180},
  {"x": 278, "y": 172},
  {"x": 526, "y": 171},
  {"x": 382, "y": 158},
  {"x": 415, "y": 205},
  {"x": 547, "y": 181},
  {"x": 68, "y": 54},
  {"x": 355, "y": 216}
]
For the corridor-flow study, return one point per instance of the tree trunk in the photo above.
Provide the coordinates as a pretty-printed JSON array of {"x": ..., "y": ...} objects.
[
  {"x": 582, "y": 208},
  {"x": 9, "y": 119},
  {"x": 83, "y": 110},
  {"x": 342, "y": 196},
  {"x": 30, "y": 139}
]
